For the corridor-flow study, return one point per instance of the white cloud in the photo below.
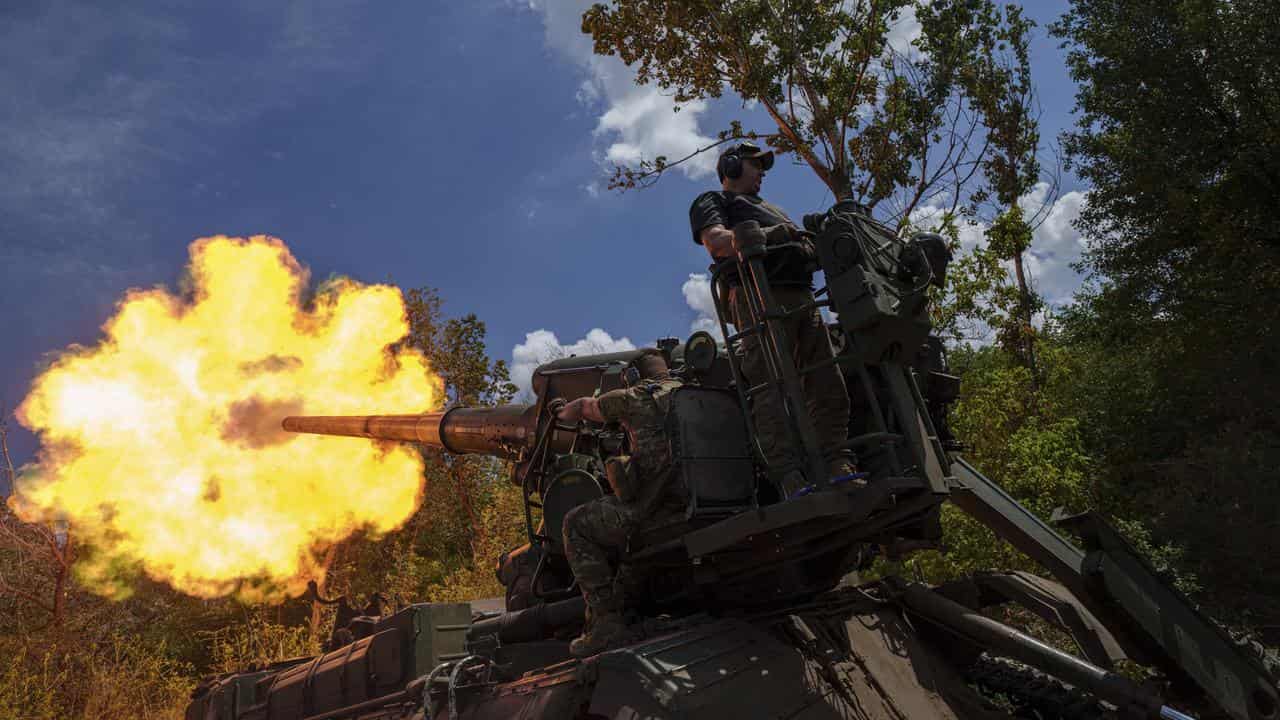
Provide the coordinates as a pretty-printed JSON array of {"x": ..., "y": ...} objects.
[
  {"x": 697, "y": 295},
  {"x": 541, "y": 346},
  {"x": 637, "y": 122},
  {"x": 1056, "y": 244},
  {"x": 929, "y": 218},
  {"x": 904, "y": 31}
]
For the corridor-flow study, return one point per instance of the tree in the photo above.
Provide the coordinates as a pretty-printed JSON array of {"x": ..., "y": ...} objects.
[
  {"x": 1008, "y": 239},
  {"x": 455, "y": 348},
  {"x": 450, "y": 541},
  {"x": 1021, "y": 437},
  {"x": 39, "y": 556},
  {"x": 1012, "y": 168},
  {"x": 875, "y": 123},
  {"x": 1177, "y": 134}
]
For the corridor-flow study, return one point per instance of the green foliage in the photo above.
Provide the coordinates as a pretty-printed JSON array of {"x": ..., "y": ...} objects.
[
  {"x": 502, "y": 524},
  {"x": 1010, "y": 234},
  {"x": 977, "y": 290},
  {"x": 257, "y": 641},
  {"x": 29, "y": 684},
  {"x": 1158, "y": 388},
  {"x": 1021, "y": 439},
  {"x": 981, "y": 299},
  {"x": 455, "y": 347},
  {"x": 439, "y": 554},
  {"x": 1006, "y": 97},
  {"x": 1177, "y": 135},
  {"x": 1167, "y": 560}
]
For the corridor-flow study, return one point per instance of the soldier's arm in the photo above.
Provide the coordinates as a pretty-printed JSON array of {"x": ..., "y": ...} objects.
[
  {"x": 718, "y": 240},
  {"x": 583, "y": 408},
  {"x": 707, "y": 218}
]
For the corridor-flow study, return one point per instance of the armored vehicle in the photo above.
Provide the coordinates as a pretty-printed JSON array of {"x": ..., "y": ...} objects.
[{"x": 751, "y": 605}]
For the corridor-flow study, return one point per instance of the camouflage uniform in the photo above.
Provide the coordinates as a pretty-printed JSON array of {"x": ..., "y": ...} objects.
[{"x": 645, "y": 495}]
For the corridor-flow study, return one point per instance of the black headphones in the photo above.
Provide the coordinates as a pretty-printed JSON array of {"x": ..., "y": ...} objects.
[{"x": 730, "y": 164}]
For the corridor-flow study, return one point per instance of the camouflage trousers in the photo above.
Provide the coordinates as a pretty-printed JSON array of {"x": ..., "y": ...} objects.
[
  {"x": 825, "y": 395},
  {"x": 595, "y": 542}
]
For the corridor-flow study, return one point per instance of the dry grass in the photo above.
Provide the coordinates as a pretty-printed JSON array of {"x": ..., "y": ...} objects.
[{"x": 120, "y": 677}]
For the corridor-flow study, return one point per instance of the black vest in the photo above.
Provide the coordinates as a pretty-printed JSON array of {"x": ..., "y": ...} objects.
[{"x": 720, "y": 207}]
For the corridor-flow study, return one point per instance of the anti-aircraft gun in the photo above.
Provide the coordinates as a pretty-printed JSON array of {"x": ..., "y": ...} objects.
[{"x": 751, "y": 605}]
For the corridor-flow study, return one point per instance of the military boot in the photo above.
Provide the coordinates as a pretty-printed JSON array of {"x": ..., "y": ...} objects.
[
  {"x": 842, "y": 467},
  {"x": 604, "y": 629}
]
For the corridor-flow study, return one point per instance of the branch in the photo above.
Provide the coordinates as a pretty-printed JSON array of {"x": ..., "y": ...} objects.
[
  {"x": 784, "y": 127},
  {"x": 1055, "y": 189},
  {"x": 884, "y": 143},
  {"x": 18, "y": 540},
  {"x": 804, "y": 150},
  {"x": 4, "y": 446},
  {"x": 5, "y": 587},
  {"x": 953, "y": 162},
  {"x": 625, "y": 178},
  {"x": 856, "y": 93},
  {"x": 972, "y": 171}
]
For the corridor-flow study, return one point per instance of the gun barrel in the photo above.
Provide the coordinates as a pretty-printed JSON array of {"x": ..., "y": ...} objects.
[{"x": 500, "y": 431}]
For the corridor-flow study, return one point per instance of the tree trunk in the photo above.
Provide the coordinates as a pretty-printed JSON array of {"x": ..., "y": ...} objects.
[
  {"x": 1024, "y": 319},
  {"x": 459, "y": 473},
  {"x": 330, "y": 556},
  {"x": 63, "y": 558}
]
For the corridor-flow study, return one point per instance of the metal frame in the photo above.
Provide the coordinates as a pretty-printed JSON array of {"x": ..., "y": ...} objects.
[
  {"x": 1153, "y": 622},
  {"x": 784, "y": 377}
]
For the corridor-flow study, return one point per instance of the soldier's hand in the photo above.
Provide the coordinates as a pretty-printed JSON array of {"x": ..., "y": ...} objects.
[
  {"x": 581, "y": 408},
  {"x": 778, "y": 234},
  {"x": 748, "y": 236},
  {"x": 810, "y": 254}
]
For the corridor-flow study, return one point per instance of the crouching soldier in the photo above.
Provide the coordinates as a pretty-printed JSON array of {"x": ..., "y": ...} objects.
[{"x": 645, "y": 495}]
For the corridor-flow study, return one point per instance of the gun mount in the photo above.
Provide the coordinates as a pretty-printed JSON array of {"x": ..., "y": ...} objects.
[{"x": 751, "y": 607}]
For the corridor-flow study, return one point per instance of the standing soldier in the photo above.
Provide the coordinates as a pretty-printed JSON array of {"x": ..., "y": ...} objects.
[
  {"x": 646, "y": 495},
  {"x": 713, "y": 217}
]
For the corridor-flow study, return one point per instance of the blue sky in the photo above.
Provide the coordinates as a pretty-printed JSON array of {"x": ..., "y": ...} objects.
[{"x": 459, "y": 145}]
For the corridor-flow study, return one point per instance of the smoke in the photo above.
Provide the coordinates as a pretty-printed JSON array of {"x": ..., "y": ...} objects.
[
  {"x": 270, "y": 364},
  {"x": 255, "y": 422}
]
